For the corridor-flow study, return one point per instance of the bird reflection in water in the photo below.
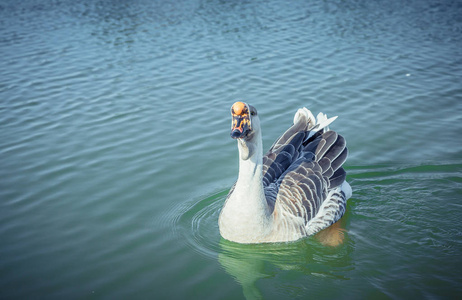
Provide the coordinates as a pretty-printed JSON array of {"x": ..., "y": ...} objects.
[{"x": 327, "y": 254}]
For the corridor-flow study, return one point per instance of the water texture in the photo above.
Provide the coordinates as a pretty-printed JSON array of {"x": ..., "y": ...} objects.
[{"x": 115, "y": 155}]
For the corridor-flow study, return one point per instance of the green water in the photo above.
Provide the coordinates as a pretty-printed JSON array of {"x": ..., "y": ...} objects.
[{"x": 115, "y": 155}]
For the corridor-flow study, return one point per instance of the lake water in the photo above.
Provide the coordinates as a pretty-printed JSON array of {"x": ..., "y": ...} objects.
[{"x": 115, "y": 155}]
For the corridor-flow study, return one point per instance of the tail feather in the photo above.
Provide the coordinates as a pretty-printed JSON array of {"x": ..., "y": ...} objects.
[{"x": 323, "y": 122}]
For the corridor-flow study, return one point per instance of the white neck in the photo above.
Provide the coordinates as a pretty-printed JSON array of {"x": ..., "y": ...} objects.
[
  {"x": 250, "y": 182},
  {"x": 246, "y": 216}
]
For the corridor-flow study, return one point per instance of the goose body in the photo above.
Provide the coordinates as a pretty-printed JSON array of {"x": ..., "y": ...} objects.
[{"x": 297, "y": 189}]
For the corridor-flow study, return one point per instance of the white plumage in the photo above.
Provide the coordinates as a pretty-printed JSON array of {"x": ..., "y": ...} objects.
[{"x": 297, "y": 189}]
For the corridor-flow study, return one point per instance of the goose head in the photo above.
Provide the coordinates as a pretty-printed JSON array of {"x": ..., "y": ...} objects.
[{"x": 245, "y": 128}]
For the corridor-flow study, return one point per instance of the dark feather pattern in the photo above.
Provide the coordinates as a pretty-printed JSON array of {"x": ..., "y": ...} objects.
[{"x": 301, "y": 170}]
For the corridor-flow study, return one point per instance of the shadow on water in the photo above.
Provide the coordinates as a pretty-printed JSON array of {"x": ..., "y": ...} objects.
[{"x": 248, "y": 264}]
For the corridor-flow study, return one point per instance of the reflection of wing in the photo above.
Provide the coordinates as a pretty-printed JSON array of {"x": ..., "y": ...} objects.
[{"x": 302, "y": 173}]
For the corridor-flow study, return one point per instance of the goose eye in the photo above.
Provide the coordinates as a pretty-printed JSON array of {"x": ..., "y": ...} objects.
[{"x": 253, "y": 113}]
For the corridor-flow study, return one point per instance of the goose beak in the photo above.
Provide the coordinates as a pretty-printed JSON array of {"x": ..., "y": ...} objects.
[
  {"x": 241, "y": 127},
  {"x": 241, "y": 123}
]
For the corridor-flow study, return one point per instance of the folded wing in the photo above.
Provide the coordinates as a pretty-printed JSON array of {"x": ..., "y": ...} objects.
[{"x": 302, "y": 173}]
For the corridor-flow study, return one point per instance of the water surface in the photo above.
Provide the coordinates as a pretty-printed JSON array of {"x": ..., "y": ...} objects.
[{"x": 115, "y": 156}]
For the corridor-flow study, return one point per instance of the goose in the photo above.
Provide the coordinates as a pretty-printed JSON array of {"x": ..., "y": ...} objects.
[{"x": 295, "y": 190}]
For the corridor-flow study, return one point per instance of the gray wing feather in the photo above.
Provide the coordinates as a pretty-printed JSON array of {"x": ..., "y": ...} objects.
[
  {"x": 327, "y": 140},
  {"x": 337, "y": 178},
  {"x": 305, "y": 190},
  {"x": 299, "y": 172},
  {"x": 286, "y": 137}
]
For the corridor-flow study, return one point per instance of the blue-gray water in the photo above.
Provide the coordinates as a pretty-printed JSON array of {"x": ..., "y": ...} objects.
[{"x": 115, "y": 155}]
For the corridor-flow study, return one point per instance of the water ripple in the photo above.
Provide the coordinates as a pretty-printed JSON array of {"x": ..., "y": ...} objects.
[{"x": 114, "y": 133}]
